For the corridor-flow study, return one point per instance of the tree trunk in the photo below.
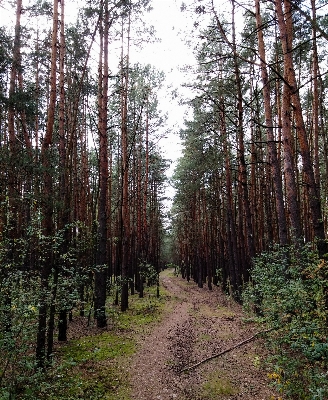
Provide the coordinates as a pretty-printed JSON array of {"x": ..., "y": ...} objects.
[
  {"x": 48, "y": 199},
  {"x": 290, "y": 79},
  {"x": 101, "y": 273},
  {"x": 231, "y": 236},
  {"x": 63, "y": 201},
  {"x": 241, "y": 152},
  {"x": 316, "y": 99},
  {"x": 125, "y": 181},
  {"x": 274, "y": 161}
]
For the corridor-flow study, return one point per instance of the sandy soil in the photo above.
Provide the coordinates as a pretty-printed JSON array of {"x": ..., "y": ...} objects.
[{"x": 198, "y": 324}]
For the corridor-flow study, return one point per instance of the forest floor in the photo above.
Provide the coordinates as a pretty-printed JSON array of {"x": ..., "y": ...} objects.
[
  {"x": 197, "y": 324},
  {"x": 145, "y": 353}
]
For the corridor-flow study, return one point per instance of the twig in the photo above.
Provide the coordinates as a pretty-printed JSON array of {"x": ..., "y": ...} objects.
[{"x": 227, "y": 350}]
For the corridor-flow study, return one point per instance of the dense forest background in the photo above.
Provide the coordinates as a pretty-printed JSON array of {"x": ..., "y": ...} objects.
[{"x": 83, "y": 179}]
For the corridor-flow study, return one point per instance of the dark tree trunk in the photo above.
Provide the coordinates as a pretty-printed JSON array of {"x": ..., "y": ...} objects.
[{"x": 285, "y": 28}]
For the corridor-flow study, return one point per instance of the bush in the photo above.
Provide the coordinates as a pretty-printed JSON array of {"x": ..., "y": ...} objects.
[
  {"x": 18, "y": 328},
  {"x": 289, "y": 292}
]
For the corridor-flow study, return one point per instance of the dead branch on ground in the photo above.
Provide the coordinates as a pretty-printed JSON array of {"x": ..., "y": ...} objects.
[{"x": 227, "y": 350}]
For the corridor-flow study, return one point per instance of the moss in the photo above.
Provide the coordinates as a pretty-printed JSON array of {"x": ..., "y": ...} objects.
[
  {"x": 143, "y": 311},
  {"x": 92, "y": 381},
  {"x": 217, "y": 386},
  {"x": 224, "y": 312},
  {"x": 204, "y": 337},
  {"x": 99, "y": 347},
  {"x": 96, "y": 367},
  {"x": 92, "y": 367},
  {"x": 168, "y": 273},
  {"x": 206, "y": 311}
]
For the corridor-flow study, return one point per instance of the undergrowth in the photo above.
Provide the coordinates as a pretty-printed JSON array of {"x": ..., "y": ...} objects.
[
  {"x": 95, "y": 367},
  {"x": 289, "y": 293}
]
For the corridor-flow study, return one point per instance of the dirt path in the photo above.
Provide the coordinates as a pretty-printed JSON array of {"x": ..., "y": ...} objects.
[{"x": 199, "y": 323}]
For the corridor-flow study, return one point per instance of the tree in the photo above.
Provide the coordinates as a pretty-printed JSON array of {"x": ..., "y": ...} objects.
[
  {"x": 273, "y": 156},
  {"x": 285, "y": 28},
  {"x": 102, "y": 260},
  {"x": 48, "y": 199}
]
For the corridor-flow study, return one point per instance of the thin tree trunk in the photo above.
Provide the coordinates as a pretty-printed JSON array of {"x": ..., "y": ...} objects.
[
  {"x": 48, "y": 198},
  {"x": 101, "y": 273},
  {"x": 273, "y": 157},
  {"x": 241, "y": 151},
  {"x": 125, "y": 177},
  {"x": 231, "y": 238},
  {"x": 316, "y": 99},
  {"x": 64, "y": 202},
  {"x": 314, "y": 199},
  {"x": 13, "y": 186}
]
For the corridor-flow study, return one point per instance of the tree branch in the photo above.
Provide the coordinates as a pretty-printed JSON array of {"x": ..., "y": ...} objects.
[
  {"x": 227, "y": 350},
  {"x": 309, "y": 19}
]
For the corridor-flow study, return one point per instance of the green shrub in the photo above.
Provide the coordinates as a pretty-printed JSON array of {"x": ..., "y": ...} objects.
[
  {"x": 289, "y": 292},
  {"x": 18, "y": 327}
]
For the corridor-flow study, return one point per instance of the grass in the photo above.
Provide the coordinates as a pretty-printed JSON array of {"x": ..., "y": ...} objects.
[
  {"x": 204, "y": 337},
  {"x": 93, "y": 381},
  {"x": 101, "y": 347},
  {"x": 225, "y": 334},
  {"x": 217, "y": 387},
  {"x": 224, "y": 312},
  {"x": 96, "y": 367},
  {"x": 207, "y": 311},
  {"x": 168, "y": 273}
]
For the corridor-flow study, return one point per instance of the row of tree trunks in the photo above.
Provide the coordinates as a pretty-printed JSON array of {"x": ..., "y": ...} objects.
[
  {"x": 69, "y": 211},
  {"x": 290, "y": 83},
  {"x": 267, "y": 158}
]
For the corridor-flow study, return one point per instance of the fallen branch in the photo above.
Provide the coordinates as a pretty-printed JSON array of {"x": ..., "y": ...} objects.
[{"x": 227, "y": 350}]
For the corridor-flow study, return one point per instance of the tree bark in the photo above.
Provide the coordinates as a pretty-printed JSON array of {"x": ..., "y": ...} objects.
[
  {"x": 241, "y": 151},
  {"x": 273, "y": 157},
  {"x": 101, "y": 273},
  {"x": 48, "y": 197},
  {"x": 125, "y": 235},
  {"x": 290, "y": 79}
]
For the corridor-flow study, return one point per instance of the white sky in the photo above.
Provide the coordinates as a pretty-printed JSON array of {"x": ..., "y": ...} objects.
[{"x": 169, "y": 55}]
